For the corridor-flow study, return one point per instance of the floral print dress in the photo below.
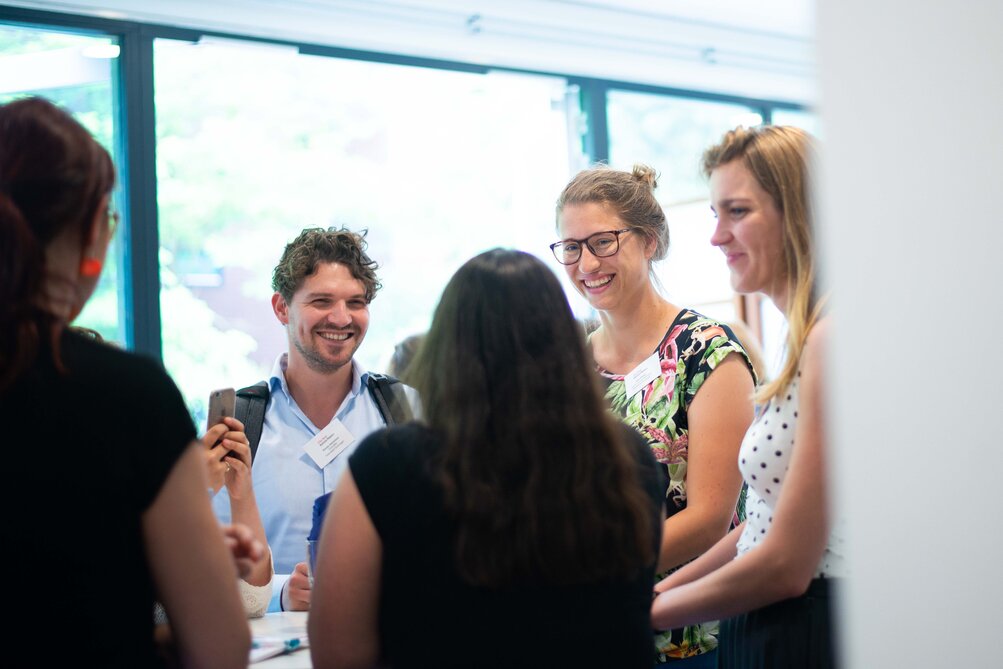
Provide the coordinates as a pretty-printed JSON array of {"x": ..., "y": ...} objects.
[{"x": 692, "y": 348}]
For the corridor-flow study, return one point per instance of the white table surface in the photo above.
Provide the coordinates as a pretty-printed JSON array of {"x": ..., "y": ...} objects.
[{"x": 285, "y": 625}]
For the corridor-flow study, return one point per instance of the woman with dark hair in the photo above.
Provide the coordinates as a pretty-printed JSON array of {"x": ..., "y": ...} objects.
[
  {"x": 102, "y": 435},
  {"x": 516, "y": 522},
  {"x": 775, "y": 574}
]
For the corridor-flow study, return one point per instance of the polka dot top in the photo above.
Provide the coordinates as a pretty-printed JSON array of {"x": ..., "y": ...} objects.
[{"x": 764, "y": 459}]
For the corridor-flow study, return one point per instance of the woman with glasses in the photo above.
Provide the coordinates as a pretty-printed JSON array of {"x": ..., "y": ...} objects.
[
  {"x": 517, "y": 525},
  {"x": 774, "y": 576},
  {"x": 117, "y": 511},
  {"x": 680, "y": 379}
]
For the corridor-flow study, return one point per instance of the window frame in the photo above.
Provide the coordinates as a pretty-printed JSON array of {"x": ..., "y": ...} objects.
[{"x": 139, "y": 303}]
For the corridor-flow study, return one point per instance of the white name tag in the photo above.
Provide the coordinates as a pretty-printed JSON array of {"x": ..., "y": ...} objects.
[
  {"x": 642, "y": 375},
  {"x": 328, "y": 443}
]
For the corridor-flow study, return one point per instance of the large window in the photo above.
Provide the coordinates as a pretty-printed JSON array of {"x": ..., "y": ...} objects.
[
  {"x": 77, "y": 72},
  {"x": 253, "y": 142},
  {"x": 670, "y": 134},
  {"x": 802, "y": 119},
  {"x": 256, "y": 143}
]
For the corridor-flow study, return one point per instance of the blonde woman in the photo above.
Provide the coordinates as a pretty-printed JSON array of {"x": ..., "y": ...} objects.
[{"x": 774, "y": 574}]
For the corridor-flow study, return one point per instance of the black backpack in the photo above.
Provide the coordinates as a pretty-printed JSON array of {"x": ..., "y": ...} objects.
[{"x": 387, "y": 392}]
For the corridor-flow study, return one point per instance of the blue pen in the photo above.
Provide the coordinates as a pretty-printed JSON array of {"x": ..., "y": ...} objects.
[{"x": 288, "y": 645}]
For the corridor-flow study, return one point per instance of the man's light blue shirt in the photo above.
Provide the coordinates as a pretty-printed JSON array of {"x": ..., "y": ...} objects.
[{"x": 287, "y": 480}]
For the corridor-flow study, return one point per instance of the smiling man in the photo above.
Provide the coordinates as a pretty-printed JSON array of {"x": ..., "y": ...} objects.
[{"x": 318, "y": 403}]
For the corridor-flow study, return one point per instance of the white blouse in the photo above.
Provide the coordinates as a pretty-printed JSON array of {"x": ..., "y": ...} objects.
[
  {"x": 764, "y": 459},
  {"x": 257, "y": 597}
]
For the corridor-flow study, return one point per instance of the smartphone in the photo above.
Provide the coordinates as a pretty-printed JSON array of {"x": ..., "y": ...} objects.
[{"x": 222, "y": 403}]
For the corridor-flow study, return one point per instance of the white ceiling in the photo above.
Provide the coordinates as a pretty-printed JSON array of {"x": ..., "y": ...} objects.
[
  {"x": 794, "y": 18},
  {"x": 759, "y": 49}
]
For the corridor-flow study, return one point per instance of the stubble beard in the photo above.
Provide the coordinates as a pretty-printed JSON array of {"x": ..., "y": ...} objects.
[{"x": 320, "y": 364}]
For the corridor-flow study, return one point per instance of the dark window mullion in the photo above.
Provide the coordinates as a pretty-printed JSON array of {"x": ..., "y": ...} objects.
[
  {"x": 139, "y": 175},
  {"x": 593, "y": 104}
]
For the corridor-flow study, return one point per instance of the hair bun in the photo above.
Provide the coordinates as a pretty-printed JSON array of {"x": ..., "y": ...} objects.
[{"x": 646, "y": 174}]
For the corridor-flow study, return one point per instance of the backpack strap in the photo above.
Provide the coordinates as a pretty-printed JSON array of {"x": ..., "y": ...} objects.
[
  {"x": 250, "y": 410},
  {"x": 388, "y": 393}
]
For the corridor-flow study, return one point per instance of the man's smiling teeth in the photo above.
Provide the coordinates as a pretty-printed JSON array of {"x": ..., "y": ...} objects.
[
  {"x": 598, "y": 282},
  {"x": 334, "y": 336}
]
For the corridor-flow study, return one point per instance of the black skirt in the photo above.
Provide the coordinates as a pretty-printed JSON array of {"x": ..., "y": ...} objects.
[{"x": 795, "y": 633}]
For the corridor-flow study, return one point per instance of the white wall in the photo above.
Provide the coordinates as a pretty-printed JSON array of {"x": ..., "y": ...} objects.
[{"x": 912, "y": 217}]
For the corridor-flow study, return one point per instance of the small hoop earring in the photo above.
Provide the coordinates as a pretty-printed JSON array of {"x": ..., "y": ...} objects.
[{"x": 90, "y": 267}]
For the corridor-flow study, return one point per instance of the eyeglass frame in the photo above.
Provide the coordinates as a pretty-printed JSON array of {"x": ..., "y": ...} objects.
[
  {"x": 114, "y": 219},
  {"x": 588, "y": 244}
]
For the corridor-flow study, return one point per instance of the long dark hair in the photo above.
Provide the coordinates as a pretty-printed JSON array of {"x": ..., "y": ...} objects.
[
  {"x": 536, "y": 471},
  {"x": 53, "y": 177}
]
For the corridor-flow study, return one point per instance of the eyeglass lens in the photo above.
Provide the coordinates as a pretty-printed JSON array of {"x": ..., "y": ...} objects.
[
  {"x": 601, "y": 245},
  {"x": 113, "y": 220}
]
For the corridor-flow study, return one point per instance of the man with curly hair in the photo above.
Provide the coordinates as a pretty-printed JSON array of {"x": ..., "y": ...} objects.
[{"x": 318, "y": 403}]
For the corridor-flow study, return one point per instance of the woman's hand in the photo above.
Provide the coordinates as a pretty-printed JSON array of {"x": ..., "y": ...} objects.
[
  {"x": 194, "y": 571},
  {"x": 228, "y": 456},
  {"x": 245, "y": 549}
]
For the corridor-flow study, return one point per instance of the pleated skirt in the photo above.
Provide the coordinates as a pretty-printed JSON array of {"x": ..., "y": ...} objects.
[{"x": 796, "y": 633}]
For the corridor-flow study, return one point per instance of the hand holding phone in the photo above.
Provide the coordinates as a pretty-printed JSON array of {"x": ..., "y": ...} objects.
[{"x": 222, "y": 404}]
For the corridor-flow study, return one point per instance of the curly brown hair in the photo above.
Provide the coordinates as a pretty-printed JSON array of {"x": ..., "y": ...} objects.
[{"x": 316, "y": 245}]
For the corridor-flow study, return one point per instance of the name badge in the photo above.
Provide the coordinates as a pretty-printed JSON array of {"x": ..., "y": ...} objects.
[
  {"x": 329, "y": 443},
  {"x": 642, "y": 375}
]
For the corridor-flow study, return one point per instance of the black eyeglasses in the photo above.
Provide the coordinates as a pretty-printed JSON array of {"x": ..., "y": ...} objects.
[{"x": 601, "y": 245}]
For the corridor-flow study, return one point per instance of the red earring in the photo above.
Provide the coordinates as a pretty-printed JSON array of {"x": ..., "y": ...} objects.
[{"x": 90, "y": 267}]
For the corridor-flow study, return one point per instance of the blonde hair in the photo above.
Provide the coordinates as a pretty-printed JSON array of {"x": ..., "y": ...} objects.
[
  {"x": 630, "y": 194},
  {"x": 778, "y": 157}
]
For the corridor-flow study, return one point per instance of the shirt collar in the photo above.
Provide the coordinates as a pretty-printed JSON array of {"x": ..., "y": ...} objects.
[
  {"x": 359, "y": 378},
  {"x": 277, "y": 381}
]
